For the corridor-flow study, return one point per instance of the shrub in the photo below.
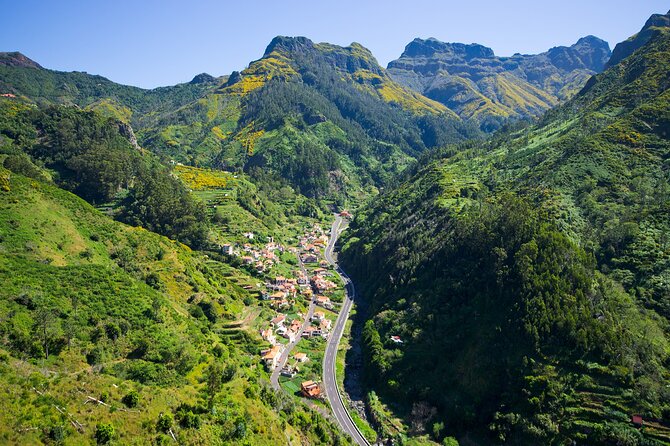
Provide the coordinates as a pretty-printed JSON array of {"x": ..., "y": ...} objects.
[
  {"x": 57, "y": 433},
  {"x": 104, "y": 432},
  {"x": 165, "y": 422},
  {"x": 132, "y": 399},
  {"x": 188, "y": 416}
]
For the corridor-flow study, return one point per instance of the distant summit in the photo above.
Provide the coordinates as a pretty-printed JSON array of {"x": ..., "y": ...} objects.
[
  {"x": 652, "y": 27},
  {"x": 203, "y": 78},
  {"x": 290, "y": 44},
  {"x": 299, "y": 59},
  {"x": 480, "y": 86},
  {"x": 432, "y": 46},
  {"x": 16, "y": 59}
]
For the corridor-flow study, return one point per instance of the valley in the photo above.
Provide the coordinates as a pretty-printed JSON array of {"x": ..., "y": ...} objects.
[{"x": 173, "y": 259}]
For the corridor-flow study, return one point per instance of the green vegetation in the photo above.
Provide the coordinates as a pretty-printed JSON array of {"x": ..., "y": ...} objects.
[
  {"x": 526, "y": 276},
  {"x": 516, "y": 289},
  {"x": 319, "y": 121},
  {"x": 92, "y": 156},
  {"x": 48, "y": 87},
  {"x": 99, "y": 312}
]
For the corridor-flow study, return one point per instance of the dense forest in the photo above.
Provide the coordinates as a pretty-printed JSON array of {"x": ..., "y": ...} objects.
[{"x": 527, "y": 276}]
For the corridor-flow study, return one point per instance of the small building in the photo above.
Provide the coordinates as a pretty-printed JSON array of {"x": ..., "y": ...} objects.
[
  {"x": 278, "y": 321},
  {"x": 288, "y": 334},
  {"x": 324, "y": 302},
  {"x": 397, "y": 339},
  {"x": 309, "y": 258},
  {"x": 295, "y": 325},
  {"x": 325, "y": 325},
  {"x": 289, "y": 372},
  {"x": 271, "y": 356},
  {"x": 269, "y": 336},
  {"x": 227, "y": 249},
  {"x": 280, "y": 304},
  {"x": 318, "y": 316},
  {"x": 310, "y": 389},
  {"x": 637, "y": 421},
  {"x": 301, "y": 357},
  {"x": 278, "y": 295},
  {"x": 308, "y": 332}
]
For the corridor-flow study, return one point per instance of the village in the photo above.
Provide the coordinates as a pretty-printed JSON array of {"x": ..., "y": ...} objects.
[{"x": 302, "y": 299}]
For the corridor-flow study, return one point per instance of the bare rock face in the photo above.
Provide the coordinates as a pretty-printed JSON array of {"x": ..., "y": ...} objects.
[{"x": 127, "y": 131}]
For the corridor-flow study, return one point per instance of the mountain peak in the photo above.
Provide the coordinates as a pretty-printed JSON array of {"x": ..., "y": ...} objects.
[
  {"x": 290, "y": 44},
  {"x": 650, "y": 29},
  {"x": 202, "y": 78},
  {"x": 658, "y": 21},
  {"x": 591, "y": 40},
  {"x": 471, "y": 80},
  {"x": 431, "y": 46},
  {"x": 589, "y": 52},
  {"x": 16, "y": 59}
]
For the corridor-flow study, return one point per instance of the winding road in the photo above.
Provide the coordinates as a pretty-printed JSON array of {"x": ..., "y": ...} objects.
[{"x": 329, "y": 379}]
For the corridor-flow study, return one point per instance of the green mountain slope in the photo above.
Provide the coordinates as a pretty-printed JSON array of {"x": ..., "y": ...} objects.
[
  {"x": 528, "y": 277},
  {"x": 93, "y": 308},
  {"x": 94, "y": 157},
  {"x": 490, "y": 90},
  {"x": 23, "y": 77},
  {"x": 326, "y": 121}
]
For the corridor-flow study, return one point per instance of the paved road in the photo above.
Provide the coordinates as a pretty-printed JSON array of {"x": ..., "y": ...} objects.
[
  {"x": 329, "y": 380},
  {"x": 274, "y": 378}
]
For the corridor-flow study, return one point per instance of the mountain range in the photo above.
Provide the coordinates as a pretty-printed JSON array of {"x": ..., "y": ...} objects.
[
  {"x": 490, "y": 90},
  {"x": 509, "y": 245},
  {"x": 357, "y": 127}
]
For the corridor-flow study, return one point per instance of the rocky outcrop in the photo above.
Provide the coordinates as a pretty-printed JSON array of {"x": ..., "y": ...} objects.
[
  {"x": 16, "y": 59},
  {"x": 127, "y": 132},
  {"x": 203, "y": 78}
]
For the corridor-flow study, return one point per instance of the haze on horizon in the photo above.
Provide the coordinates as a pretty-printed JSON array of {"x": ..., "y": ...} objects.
[{"x": 157, "y": 43}]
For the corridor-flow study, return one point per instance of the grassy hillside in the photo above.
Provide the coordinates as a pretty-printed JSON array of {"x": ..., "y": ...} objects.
[
  {"x": 527, "y": 276},
  {"x": 93, "y": 308},
  {"x": 130, "y": 104}
]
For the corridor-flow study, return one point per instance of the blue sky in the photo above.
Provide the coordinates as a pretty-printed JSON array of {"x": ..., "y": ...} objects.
[{"x": 151, "y": 43}]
